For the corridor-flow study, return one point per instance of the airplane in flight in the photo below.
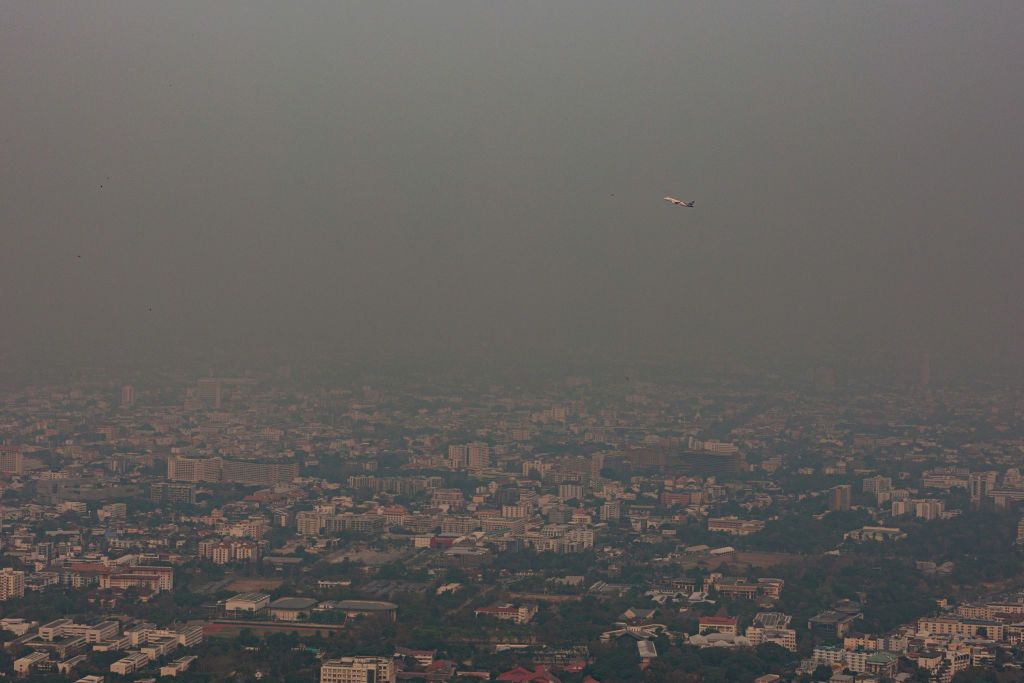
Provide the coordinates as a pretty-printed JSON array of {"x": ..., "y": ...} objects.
[{"x": 679, "y": 202}]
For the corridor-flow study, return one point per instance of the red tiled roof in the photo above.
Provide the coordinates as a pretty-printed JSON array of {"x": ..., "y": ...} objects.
[
  {"x": 721, "y": 621},
  {"x": 523, "y": 675}
]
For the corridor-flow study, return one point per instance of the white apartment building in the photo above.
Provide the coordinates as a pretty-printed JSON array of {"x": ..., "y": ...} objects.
[{"x": 12, "y": 584}]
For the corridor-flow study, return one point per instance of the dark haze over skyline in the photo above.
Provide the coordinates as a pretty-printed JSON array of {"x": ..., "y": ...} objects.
[{"x": 486, "y": 177}]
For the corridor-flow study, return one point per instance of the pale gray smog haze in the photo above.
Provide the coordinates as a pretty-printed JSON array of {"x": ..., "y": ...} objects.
[{"x": 456, "y": 177}]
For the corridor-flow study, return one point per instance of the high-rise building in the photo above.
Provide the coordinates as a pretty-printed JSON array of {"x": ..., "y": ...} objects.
[
  {"x": 112, "y": 512},
  {"x": 839, "y": 499},
  {"x": 929, "y": 509},
  {"x": 475, "y": 456},
  {"x": 559, "y": 514},
  {"x": 877, "y": 484},
  {"x": 358, "y": 670},
  {"x": 611, "y": 511},
  {"x": 254, "y": 472},
  {"x": 259, "y": 473},
  {"x": 981, "y": 485},
  {"x": 12, "y": 584},
  {"x": 194, "y": 470},
  {"x": 458, "y": 456},
  {"x": 209, "y": 391},
  {"x": 170, "y": 492},
  {"x": 570, "y": 491},
  {"x": 127, "y": 396},
  {"x": 707, "y": 463},
  {"x": 11, "y": 460},
  {"x": 479, "y": 456}
]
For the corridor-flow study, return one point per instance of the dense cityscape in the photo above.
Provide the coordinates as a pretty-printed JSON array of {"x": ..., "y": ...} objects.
[
  {"x": 524, "y": 341},
  {"x": 259, "y": 527}
]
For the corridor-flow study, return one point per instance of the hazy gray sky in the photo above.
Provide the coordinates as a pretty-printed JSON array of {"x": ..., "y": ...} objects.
[{"x": 483, "y": 174}]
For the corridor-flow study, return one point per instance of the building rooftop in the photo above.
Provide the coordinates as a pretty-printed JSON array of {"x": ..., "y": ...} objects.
[
  {"x": 833, "y": 617},
  {"x": 250, "y": 597},
  {"x": 366, "y": 605},
  {"x": 723, "y": 621},
  {"x": 292, "y": 603}
]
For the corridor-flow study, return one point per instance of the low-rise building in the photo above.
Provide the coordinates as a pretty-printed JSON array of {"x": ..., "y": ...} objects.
[
  {"x": 247, "y": 604},
  {"x": 291, "y": 609},
  {"x": 833, "y": 623},
  {"x": 735, "y": 526},
  {"x": 726, "y": 625},
  {"x": 129, "y": 664},
  {"x": 358, "y": 670},
  {"x": 178, "y": 666},
  {"x": 969, "y": 628},
  {"x": 875, "y": 533},
  {"x": 518, "y": 615},
  {"x": 23, "y": 666}
]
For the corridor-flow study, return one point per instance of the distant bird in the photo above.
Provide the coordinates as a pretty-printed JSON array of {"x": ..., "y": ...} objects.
[{"x": 679, "y": 202}]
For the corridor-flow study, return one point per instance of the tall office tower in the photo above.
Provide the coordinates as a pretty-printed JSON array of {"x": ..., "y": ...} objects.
[
  {"x": 596, "y": 465},
  {"x": 12, "y": 584},
  {"x": 981, "y": 485},
  {"x": 127, "y": 396},
  {"x": 209, "y": 391},
  {"x": 840, "y": 498}
]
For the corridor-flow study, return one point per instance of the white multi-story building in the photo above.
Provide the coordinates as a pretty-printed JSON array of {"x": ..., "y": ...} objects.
[
  {"x": 178, "y": 666},
  {"x": 12, "y": 584},
  {"x": 964, "y": 628},
  {"x": 784, "y": 637},
  {"x": 854, "y": 660},
  {"x": 358, "y": 670},
  {"x": 129, "y": 664},
  {"x": 25, "y": 665}
]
